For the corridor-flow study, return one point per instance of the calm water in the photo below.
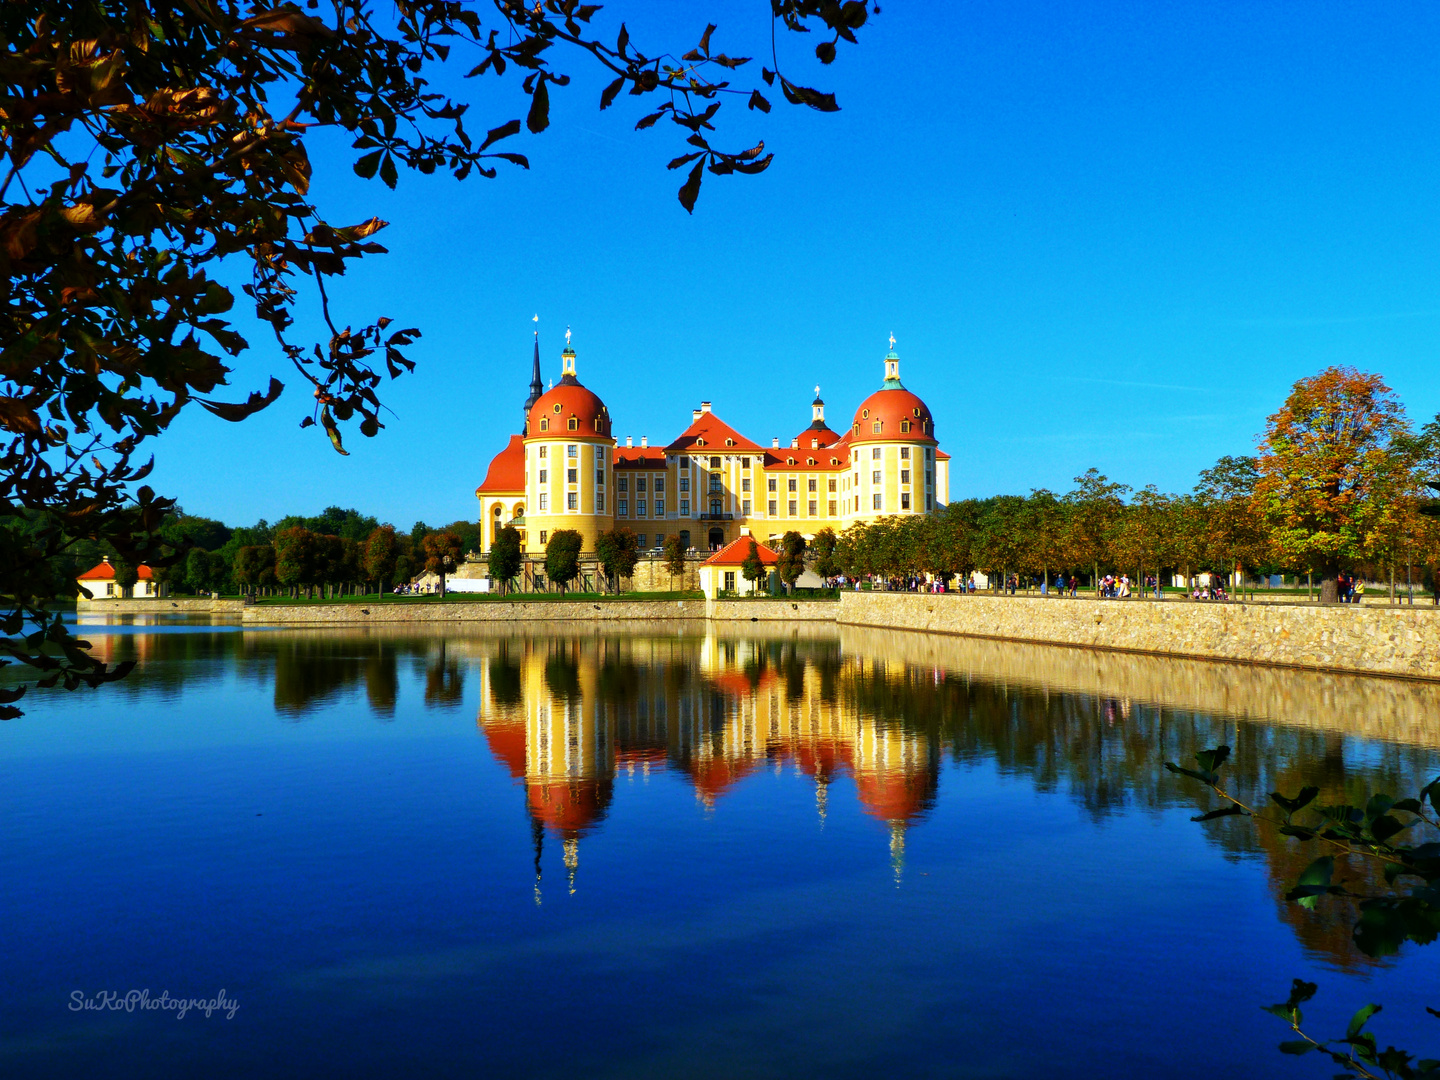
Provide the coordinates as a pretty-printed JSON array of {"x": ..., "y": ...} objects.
[{"x": 638, "y": 853}]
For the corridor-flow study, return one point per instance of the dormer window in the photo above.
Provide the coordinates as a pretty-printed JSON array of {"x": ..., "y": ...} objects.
[
  {"x": 904, "y": 425},
  {"x": 875, "y": 427},
  {"x": 809, "y": 461},
  {"x": 789, "y": 461},
  {"x": 729, "y": 442},
  {"x": 557, "y": 406},
  {"x": 864, "y": 412},
  {"x": 544, "y": 424},
  {"x": 574, "y": 424},
  {"x": 699, "y": 442},
  {"x": 916, "y": 411}
]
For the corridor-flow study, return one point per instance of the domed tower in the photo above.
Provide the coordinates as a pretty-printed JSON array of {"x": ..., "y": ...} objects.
[
  {"x": 892, "y": 452},
  {"x": 569, "y": 452}
]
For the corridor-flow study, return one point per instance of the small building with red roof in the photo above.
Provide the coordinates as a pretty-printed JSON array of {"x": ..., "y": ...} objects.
[
  {"x": 99, "y": 582},
  {"x": 724, "y": 571}
]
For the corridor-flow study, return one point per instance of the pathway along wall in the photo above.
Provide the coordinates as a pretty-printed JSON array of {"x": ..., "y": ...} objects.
[
  {"x": 1368, "y": 640},
  {"x": 549, "y": 611}
]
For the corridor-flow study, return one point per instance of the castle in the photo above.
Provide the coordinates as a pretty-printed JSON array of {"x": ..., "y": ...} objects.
[{"x": 710, "y": 484}]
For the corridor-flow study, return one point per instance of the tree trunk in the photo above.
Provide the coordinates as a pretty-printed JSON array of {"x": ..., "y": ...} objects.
[
  {"x": 1392, "y": 584},
  {"x": 1309, "y": 587},
  {"x": 1329, "y": 589}
]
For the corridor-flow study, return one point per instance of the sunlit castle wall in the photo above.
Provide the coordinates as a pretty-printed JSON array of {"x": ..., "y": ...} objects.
[
  {"x": 893, "y": 466},
  {"x": 568, "y": 462}
]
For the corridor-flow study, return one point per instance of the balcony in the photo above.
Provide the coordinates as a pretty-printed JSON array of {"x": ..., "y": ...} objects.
[{"x": 716, "y": 517}]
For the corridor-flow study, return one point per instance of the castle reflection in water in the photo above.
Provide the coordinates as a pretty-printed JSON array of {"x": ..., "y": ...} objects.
[{"x": 566, "y": 715}]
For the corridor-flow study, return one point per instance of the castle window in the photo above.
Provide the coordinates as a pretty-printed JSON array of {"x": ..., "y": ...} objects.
[
  {"x": 744, "y": 462},
  {"x": 916, "y": 411},
  {"x": 544, "y": 475},
  {"x": 875, "y": 428},
  {"x": 684, "y": 507},
  {"x": 542, "y": 451},
  {"x": 811, "y": 506},
  {"x": 544, "y": 426},
  {"x": 570, "y": 476},
  {"x": 684, "y": 484},
  {"x": 622, "y": 508},
  {"x": 857, "y": 429},
  {"x": 789, "y": 461},
  {"x": 876, "y": 500},
  {"x": 597, "y": 423},
  {"x": 574, "y": 424},
  {"x": 744, "y": 483},
  {"x": 623, "y": 483},
  {"x": 864, "y": 413},
  {"x": 904, "y": 476},
  {"x": 543, "y": 534},
  {"x": 875, "y": 477},
  {"x": 832, "y": 483},
  {"x": 904, "y": 453},
  {"x": 811, "y": 484},
  {"x": 600, "y": 502},
  {"x": 639, "y": 507},
  {"x": 699, "y": 442},
  {"x": 659, "y": 484},
  {"x": 715, "y": 482},
  {"x": 770, "y": 483},
  {"x": 810, "y": 461},
  {"x": 745, "y": 507},
  {"x": 557, "y": 406},
  {"x": 904, "y": 500},
  {"x": 770, "y": 506},
  {"x": 640, "y": 483},
  {"x": 599, "y": 477},
  {"x": 831, "y": 505},
  {"x": 659, "y": 507},
  {"x": 790, "y": 506},
  {"x": 572, "y": 501},
  {"x": 572, "y": 451},
  {"x": 729, "y": 442},
  {"x": 714, "y": 463},
  {"x": 904, "y": 425},
  {"x": 790, "y": 484},
  {"x": 929, "y": 502},
  {"x": 875, "y": 453},
  {"x": 715, "y": 509},
  {"x": 544, "y": 501},
  {"x": 928, "y": 480},
  {"x": 684, "y": 461}
]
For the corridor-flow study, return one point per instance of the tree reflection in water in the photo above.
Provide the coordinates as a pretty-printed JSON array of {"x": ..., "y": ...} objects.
[{"x": 565, "y": 711}]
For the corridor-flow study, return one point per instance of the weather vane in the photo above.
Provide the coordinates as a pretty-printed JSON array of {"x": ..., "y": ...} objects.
[
  {"x": 536, "y": 321},
  {"x": 817, "y": 391},
  {"x": 567, "y": 335},
  {"x": 892, "y": 341}
]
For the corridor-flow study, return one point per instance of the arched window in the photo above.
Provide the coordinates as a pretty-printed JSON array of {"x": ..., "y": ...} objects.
[
  {"x": 904, "y": 425},
  {"x": 875, "y": 428},
  {"x": 574, "y": 424},
  {"x": 544, "y": 423}
]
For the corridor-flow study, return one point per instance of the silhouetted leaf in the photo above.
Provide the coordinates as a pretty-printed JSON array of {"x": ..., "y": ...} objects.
[
  {"x": 539, "y": 117},
  {"x": 691, "y": 188}
]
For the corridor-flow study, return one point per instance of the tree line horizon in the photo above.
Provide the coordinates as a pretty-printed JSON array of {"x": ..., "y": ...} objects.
[{"x": 1339, "y": 483}]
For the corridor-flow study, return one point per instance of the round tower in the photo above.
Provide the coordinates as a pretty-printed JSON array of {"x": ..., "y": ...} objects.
[
  {"x": 892, "y": 451},
  {"x": 569, "y": 453}
]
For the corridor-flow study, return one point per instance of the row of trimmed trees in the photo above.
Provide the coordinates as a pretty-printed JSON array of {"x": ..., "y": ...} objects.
[
  {"x": 1341, "y": 484},
  {"x": 302, "y": 562}
]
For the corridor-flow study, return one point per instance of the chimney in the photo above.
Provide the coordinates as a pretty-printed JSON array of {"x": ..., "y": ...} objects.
[
  {"x": 704, "y": 406},
  {"x": 629, "y": 441},
  {"x": 794, "y": 444},
  {"x": 644, "y": 442},
  {"x": 694, "y": 415},
  {"x": 775, "y": 443},
  {"x": 814, "y": 444}
]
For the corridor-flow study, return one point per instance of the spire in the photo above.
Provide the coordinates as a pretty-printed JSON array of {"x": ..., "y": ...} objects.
[
  {"x": 537, "y": 384},
  {"x": 897, "y": 850},
  {"x": 892, "y": 368},
  {"x": 817, "y": 410},
  {"x": 572, "y": 859},
  {"x": 567, "y": 362}
]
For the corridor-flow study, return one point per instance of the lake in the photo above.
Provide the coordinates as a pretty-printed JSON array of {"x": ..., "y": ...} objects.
[{"x": 659, "y": 850}]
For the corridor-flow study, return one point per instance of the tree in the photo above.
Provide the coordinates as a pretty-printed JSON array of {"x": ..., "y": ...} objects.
[
  {"x": 378, "y": 559},
  {"x": 753, "y": 568},
  {"x": 791, "y": 563},
  {"x": 442, "y": 555},
  {"x": 675, "y": 556},
  {"x": 505, "y": 557},
  {"x": 823, "y": 547},
  {"x": 143, "y": 151},
  {"x": 1331, "y": 466},
  {"x": 618, "y": 551},
  {"x": 255, "y": 566},
  {"x": 198, "y": 574},
  {"x": 1094, "y": 509},
  {"x": 562, "y": 557},
  {"x": 126, "y": 574},
  {"x": 295, "y": 557}
]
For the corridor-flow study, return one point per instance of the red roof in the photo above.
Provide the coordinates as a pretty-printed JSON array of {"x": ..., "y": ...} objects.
[
  {"x": 940, "y": 455},
  {"x": 817, "y": 433},
  {"x": 507, "y": 469},
  {"x": 890, "y": 408},
  {"x": 106, "y": 572},
  {"x": 711, "y": 435},
  {"x": 827, "y": 460},
  {"x": 568, "y": 399},
  {"x": 737, "y": 551},
  {"x": 639, "y": 457}
]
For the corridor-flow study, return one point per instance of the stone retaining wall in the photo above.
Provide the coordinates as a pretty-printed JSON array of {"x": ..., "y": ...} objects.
[
  {"x": 1399, "y": 641},
  {"x": 473, "y": 611},
  {"x": 163, "y": 605}
]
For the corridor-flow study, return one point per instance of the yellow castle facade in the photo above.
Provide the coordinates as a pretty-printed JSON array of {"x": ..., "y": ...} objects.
[{"x": 710, "y": 484}]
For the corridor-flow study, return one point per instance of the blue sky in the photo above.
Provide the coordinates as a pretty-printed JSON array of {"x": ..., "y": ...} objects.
[{"x": 1103, "y": 235}]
